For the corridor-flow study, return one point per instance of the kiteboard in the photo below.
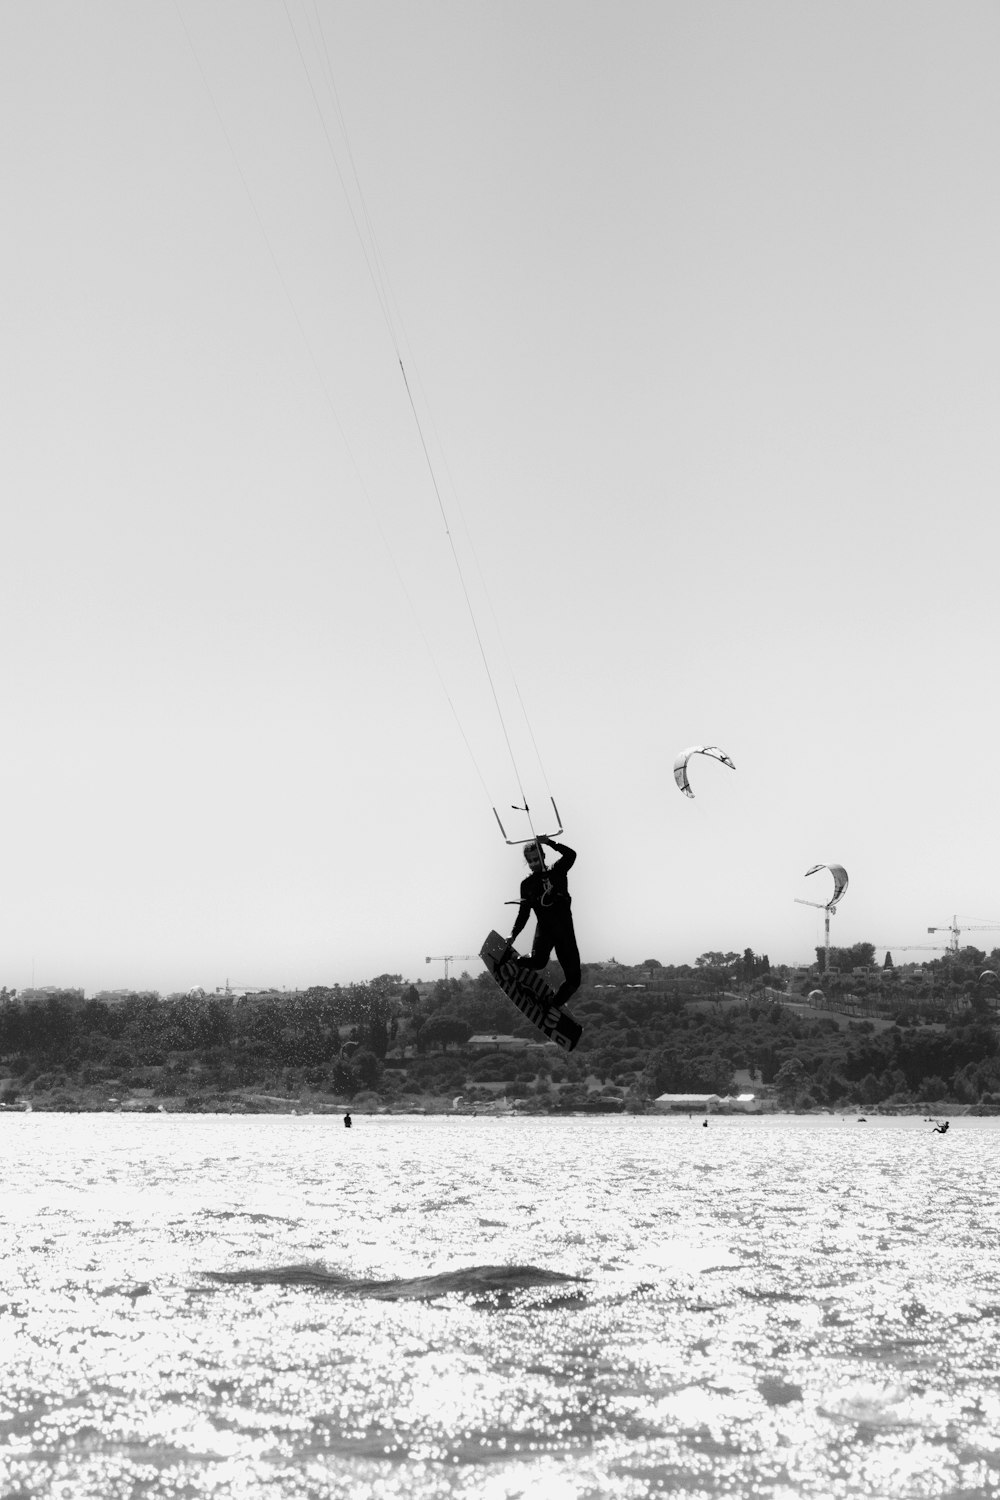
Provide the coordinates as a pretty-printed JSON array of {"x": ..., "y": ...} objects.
[{"x": 530, "y": 993}]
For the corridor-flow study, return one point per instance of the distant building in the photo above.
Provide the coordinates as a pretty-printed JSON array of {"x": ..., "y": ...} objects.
[
  {"x": 702, "y": 1103},
  {"x": 689, "y": 1102},
  {"x": 499, "y": 1042}
]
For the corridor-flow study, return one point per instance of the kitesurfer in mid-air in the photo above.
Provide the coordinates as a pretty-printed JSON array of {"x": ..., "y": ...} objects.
[{"x": 546, "y": 893}]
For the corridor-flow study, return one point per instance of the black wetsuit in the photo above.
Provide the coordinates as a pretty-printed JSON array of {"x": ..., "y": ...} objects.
[{"x": 546, "y": 893}]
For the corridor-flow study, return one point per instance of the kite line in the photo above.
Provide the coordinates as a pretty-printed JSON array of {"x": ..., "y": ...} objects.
[{"x": 374, "y": 262}]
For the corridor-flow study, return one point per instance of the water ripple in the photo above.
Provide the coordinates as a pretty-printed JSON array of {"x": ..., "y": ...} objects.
[{"x": 476, "y": 1281}]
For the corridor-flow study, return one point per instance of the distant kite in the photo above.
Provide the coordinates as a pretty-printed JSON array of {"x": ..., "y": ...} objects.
[
  {"x": 839, "y": 883},
  {"x": 681, "y": 764}
]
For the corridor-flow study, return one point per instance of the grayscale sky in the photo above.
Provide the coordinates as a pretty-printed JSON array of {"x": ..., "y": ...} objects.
[{"x": 698, "y": 303}]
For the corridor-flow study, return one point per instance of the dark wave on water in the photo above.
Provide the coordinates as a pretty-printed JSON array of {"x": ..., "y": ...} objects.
[{"x": 491, "y": 1282}]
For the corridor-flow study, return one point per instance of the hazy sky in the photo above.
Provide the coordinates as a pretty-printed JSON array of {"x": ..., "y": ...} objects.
[{"x": 699, "y": 306}]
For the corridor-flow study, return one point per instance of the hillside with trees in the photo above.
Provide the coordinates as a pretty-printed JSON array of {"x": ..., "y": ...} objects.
[{"x": 892, "y": 1037}]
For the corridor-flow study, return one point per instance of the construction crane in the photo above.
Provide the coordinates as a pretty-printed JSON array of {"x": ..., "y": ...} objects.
[
  {"x": 956, "y": 930},
  {"x": 447, "y": 958},
  {"x": 913, "y": 948}
]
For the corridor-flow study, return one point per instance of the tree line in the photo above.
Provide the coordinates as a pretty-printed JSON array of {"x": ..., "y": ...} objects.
[{"x": 679, "y": 1029}]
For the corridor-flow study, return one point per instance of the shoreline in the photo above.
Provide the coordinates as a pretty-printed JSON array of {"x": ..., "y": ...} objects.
[{"x": 246, "y": 1102}]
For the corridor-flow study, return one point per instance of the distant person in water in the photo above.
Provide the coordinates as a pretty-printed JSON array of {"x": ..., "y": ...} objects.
[
  {"x": 546, "y": 893},
  {"x": 347, "y": 1121},
  {"x": 941, "y": 1129}
]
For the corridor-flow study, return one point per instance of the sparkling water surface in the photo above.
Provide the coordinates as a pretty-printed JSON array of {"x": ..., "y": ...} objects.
[{"x": 770, "y": 1307}]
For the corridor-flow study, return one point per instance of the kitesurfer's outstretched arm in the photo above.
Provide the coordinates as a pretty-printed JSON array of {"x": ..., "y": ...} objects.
[
  {"x": 536, "y": 861},
  {"x": 521, "y": 920}
]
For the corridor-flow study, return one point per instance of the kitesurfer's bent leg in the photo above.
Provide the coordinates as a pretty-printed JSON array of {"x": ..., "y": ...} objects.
[
  {"x": 563, "y": 940},
  {"x": 541, "y": 950},
  {"x": 568, "y": 957}
]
